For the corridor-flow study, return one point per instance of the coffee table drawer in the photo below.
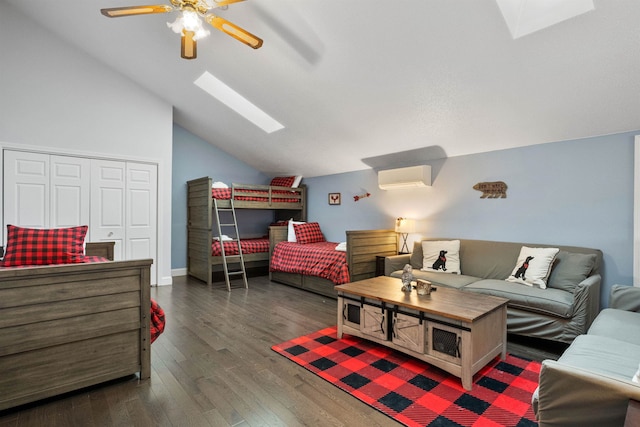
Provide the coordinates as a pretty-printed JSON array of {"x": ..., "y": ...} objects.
[
  {"x": 408, "y": 332},
  {"x": 351, "y": 313},
  {"x": 374, "y": 322},
  {"x": 370, "y": 319},
  {"x": 444, "y": 342}
]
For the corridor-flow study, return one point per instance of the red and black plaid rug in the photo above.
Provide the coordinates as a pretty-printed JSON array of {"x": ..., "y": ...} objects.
[{"x": 413, "y": 392}]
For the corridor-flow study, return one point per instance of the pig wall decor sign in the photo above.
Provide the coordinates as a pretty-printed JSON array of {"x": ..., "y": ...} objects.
[{"x": 492, "y": 190}]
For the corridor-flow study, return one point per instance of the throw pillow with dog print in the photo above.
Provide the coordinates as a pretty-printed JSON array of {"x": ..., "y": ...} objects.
[
  {"x": 442, "y": 256},
  {"x": 533, "y": 266}
]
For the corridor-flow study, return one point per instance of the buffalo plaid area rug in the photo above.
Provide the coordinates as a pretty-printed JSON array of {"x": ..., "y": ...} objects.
[{"x": 413, "y": 392}]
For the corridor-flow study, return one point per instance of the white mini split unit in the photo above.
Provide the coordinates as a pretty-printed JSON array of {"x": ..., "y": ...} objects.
[{"x": 411, "y": 177}]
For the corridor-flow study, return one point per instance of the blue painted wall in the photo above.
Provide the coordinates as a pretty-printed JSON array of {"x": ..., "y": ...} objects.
[
  {"x": 194, "y": 158},
  {"x": 576, "y": 192}
]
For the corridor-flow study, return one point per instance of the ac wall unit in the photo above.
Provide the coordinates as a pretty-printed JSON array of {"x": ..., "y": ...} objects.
[{"x": 414, "y": 176}]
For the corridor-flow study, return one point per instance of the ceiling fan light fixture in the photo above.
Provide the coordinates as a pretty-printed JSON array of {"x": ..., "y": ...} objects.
[{"x": 189, "y": 21}]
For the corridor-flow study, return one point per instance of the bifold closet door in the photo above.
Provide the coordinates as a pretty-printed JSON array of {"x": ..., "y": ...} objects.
[
  {"x": 108, "y": 183},
  {"x": 70, "y": 191},
  {"x": 124, "y": 208},
  {"x": 26, "y": 189},
  {"x": 117, "y": 199},
  {"x": 45, "y": 191},
  {"x": 141, "y": 212}
]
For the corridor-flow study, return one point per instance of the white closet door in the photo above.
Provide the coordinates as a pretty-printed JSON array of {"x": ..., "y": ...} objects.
[
  {"x": 26, "y": 189},
  {"x": 70, "y": 190},
  {"x": 141, "y": 195},
  {"x": 108, "y": 182}
]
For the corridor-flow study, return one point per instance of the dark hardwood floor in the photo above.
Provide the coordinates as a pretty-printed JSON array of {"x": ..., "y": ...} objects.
[{"x": 213, "y": 366}]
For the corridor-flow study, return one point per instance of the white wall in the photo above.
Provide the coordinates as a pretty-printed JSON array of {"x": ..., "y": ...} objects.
[{"x": 54, "y": 97}]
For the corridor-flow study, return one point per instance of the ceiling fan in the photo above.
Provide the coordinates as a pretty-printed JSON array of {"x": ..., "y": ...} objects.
[{"x": 189, "y": 23}]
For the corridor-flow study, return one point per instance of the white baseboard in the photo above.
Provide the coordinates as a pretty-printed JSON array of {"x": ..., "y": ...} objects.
[
  {"x": 178, "y": 272},
  {"x": 164, "y": 281}
]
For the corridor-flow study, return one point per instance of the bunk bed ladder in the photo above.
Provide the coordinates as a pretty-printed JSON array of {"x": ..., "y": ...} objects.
[{"x": 230, "y": 259}]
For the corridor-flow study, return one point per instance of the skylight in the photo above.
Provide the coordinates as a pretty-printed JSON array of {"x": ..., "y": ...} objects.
[
  {"x": 232, "y": 99},
  {"x": 528, "y": 16}
]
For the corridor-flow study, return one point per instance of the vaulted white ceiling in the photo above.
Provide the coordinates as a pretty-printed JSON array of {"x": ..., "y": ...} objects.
[{"x": 359, "y": 79}]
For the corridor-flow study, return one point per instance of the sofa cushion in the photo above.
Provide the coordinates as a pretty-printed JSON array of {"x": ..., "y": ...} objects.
[
  {"x": 603, "y": 355},
  {"x": 569, "y": 269},
  {"x": 441, "y": 256},
  {"x": 438, "y": 279},
  {"x": 533, "y": 266},
  {"x": 547, "y": 301},
  {"x": 618, "y": 324}
]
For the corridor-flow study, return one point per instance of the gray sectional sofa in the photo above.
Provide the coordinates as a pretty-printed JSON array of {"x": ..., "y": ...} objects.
[
  {"x": 591, "y": 384},
  {"x": 561, "y": 312}
]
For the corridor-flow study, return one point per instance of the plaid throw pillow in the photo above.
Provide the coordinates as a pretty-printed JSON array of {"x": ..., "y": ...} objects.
[
  {"x": 308, "y": 233},
  {"x": 36, "y": 246},
  {"x": 283, "y": 181}
]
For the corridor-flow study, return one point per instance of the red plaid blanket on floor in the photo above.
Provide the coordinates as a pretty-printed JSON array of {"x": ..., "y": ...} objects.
[{"x": 312, "y": 259}]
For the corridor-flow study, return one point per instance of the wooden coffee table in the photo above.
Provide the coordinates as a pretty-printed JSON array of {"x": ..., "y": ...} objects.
[{"x": 457, "y": 331}]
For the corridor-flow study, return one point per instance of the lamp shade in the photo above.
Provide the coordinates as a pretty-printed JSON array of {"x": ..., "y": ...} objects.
[{"x": 404, "y": 225}]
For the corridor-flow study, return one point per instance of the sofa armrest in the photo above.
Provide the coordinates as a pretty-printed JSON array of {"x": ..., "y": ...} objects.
[
  {"x": 625, "y": 298},
  {"x": 570, "y": 396},
  {"x": 586, "y": 297},
  {"x": 395, "y": 262}
]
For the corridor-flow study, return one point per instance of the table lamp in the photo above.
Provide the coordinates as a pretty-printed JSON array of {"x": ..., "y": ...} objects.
[{"x": 404, "y": 226}]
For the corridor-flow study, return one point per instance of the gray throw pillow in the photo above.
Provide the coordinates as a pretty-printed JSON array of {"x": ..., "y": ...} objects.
[{"x": 569, "y": 269}]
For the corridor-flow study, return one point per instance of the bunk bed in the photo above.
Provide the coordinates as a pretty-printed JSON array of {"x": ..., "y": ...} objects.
[
  {"x": 203, "y": 252},
  {"x": 362, "y": 249}
]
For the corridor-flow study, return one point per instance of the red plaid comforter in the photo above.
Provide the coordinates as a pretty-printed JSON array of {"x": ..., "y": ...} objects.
[
  {"x": 260, "y": 195},
  {"x": 157, "y": 320},
  {"x": 312, "y": 259},
  {"x": 81, "y": 260},
  {"x": 249, "y": 246}
]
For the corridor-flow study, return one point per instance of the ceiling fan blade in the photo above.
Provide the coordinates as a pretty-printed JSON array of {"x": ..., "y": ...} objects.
[
  {"x": 234, "y": 31},
  {"x": 220, "y": 3},
  {"x": 188, "y": 46},
  {"x": 116, "y": 12}
]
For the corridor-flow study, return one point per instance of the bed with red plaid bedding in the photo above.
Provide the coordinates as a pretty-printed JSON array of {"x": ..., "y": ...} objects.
[
  {"x": 249, "y": 246},
  {"x": 312, "y": 259},
  {"x": 255, "y": 195},
  {"x": 84, "y": 259}
]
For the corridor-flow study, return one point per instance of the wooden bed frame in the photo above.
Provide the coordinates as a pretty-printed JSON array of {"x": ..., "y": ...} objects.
[
  {"x": 66, "y": 327},
  {"x": 362, "y": 248},
  {"x": 200, "y": 220}
]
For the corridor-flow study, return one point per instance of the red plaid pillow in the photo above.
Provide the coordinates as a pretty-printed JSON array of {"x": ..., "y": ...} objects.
[
  {"x": 283, "y": 181},
  {"x": 308, "y": 233},
  {"x": 39, "y": 246}
]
